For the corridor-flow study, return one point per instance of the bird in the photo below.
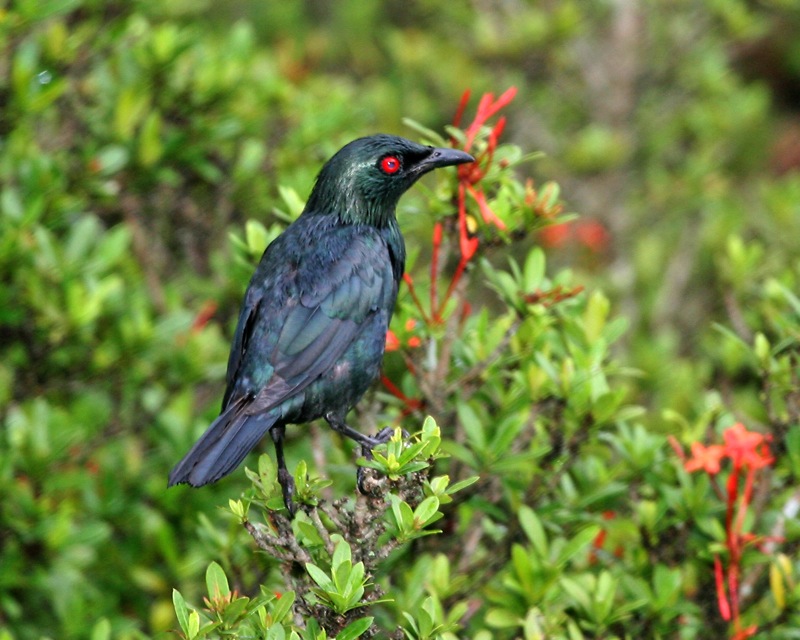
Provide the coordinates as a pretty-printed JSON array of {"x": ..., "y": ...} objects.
[{"x": 311, "y": 331}]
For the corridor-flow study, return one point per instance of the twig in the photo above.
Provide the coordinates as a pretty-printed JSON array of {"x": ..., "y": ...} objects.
[
  {"x": 281, "y": 546},
  {"x": 313, "y": 514}
]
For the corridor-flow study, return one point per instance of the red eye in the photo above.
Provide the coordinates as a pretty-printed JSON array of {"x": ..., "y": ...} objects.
[{"x": 390, "y": 165}]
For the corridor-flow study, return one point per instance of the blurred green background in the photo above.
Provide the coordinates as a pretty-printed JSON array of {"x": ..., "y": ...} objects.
[{"x": 137, "y": 137}]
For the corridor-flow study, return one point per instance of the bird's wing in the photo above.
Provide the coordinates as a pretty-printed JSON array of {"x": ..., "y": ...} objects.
[
  {"x": 299, "y": 328},
  {"x": 241, "y": 339}
]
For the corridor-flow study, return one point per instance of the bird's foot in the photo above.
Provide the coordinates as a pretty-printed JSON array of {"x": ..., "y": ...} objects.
[
  {"x": 383, "y": 436},
  {"x": 287, "y": 489},
  {"x": 368, "y": 481}
]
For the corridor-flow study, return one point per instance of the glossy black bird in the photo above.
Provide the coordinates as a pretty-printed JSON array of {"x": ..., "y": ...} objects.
[{"x": 312, "y": 327}]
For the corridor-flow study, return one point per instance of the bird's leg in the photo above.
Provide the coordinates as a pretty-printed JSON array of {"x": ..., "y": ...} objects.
[
  {"x": 368, "y": 443},
  {"x": 338, "y": 424},
  {"x": 384, "y": 435},
  {"x": 284, "y": 477}
]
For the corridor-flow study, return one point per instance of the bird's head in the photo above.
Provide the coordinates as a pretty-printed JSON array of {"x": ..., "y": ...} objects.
[{"x": 364, "y": 180}]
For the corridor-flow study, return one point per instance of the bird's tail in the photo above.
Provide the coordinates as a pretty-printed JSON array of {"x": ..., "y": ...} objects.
[{"x": 222, "y": 447}]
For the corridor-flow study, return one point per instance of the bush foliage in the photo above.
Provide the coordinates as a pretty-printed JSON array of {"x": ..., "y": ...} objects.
[{"x": 602, "y": 410}]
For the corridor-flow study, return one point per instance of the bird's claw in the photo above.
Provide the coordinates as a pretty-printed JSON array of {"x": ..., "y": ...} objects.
[
  {"x": 362, "y": 476},
  {"x": 382, "y": 437}
]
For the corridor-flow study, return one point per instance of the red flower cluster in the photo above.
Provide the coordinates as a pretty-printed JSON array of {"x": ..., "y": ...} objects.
[
  {"x": 469, "y": 183},
  {"x": 749, "y": 453},
  {"x": 745, "y": 449},
  {"x": 393, "y": 342},
  {"x": 590, "y": 234},
  {"x": 470, "y": 175}
]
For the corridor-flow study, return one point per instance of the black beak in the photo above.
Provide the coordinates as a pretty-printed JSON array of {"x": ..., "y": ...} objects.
[{"x": 443, "y": 157}]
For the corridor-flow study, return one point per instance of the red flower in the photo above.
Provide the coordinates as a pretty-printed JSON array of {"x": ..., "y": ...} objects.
[
  {"x": 468, "y": 243},
  {"x": 746, "y": 448},
  {"x": 489, "y": 216},
  {"x": 749, "y": 452},
  {"x": 705, "y": 458},
  {"x": 470, "y": 175},
  {"x": 487, "y": 107},
  {"x": 556, "y": 235},
  {"x": 592, "y": 235},
  {"x": 392, "y": 342},
  {"x": 588, "y": 233}
]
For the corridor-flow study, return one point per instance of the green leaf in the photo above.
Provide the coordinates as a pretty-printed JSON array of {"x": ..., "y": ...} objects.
[
  {"x": 430, "y": 136},
  {"x": 460, "y": 452},
  {"x": 216, "y": 582},
  {"x": 305, "y": 530},
  {"x": 11, "y": 204},
  {"x": 355, "y": 629},
  {"x": 438, "y": 487},
  {"x": 112, "y": 159},
  {"x": 595, "y": 315},
  {"x": 577, "y": 591},
  {"x": 502, "y": 619},
  {"x": 194, "y": 625},
  {"x": 407, "y": 452},
  {"x": 341, "y": 552},
  {"x": 581, "y": 540},
  {"x": 426, "y": 511},
  {"x": 761, "y": 348},
  {"x": 250, "y": 159},
  {"x": 181, "y": 611},
  {"x": 235, "y": 609},
  {"x": 238, "y": 509},
  {"x": 430, "y": 427},
  {"x": 293, "y": 201},
  {"x": 256, "y": 236},
  {"x": 666, "y": 586},
  {"x": 355, "y": 583},
  {"x": 131, "y": 106},
  {"x": 533, "y": 529},
  {"x": 604, "y": 597},
  {"x": 731, "y": 335},
  {"x": 320, "y": 577},
  {"x": 472, "y": 425},
  {"x": 150, "y": 146},
  {"x": 534, "y": 270},
  {"x": 283, "y": 605},
  {"x": 403, "y": 515},
  {"x": 276, "y": 632},
  {"x": 574, "y": 631},
  {"x": 101, "y": 630}
]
